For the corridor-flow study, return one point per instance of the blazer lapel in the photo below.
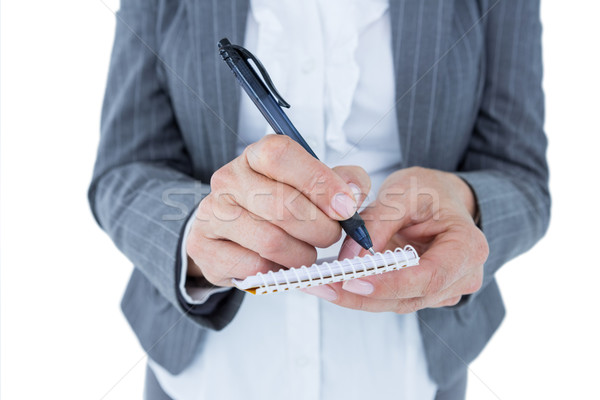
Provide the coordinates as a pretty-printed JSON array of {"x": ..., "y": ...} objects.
[
  {"x": 211, "y": 21},
  {"x": 419, "y": 44}
]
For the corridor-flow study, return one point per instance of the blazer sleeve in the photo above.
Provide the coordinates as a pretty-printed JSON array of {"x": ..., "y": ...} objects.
[
  {"x": 505, "y": 164},
  {"x": 142, "y": 192}
]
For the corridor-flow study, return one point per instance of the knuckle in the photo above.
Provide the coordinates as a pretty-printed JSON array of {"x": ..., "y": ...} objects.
[
  {"x": 314, "y": 184},
  {"x": 330, "y": 235},
  {"x": 273, "y": 243},
  {"x": 482, "y": 249},
  {"x": 272, "y": 141},
  {"x": 221, "y": 178},
  {"x": 355, "y": 174},
  {"x": 210, "y": 274},
  {"x": 249, "y": 150},
  {"x": 419, "y": 172},
  {"x": 453, "y": 301},
  {"x": 361, "y": 173},
  {"x": 192, "y": 247},
  {"x": 209, "y": 271},
  {"x": 262, "y": 265},
  {"x": 269, "y": 150},
  {"x": 475, "y": 283},
  {"x": 308, "y": 258},
  {"x": 197, "y": 240},
  {"x": 205, "y": 209}
]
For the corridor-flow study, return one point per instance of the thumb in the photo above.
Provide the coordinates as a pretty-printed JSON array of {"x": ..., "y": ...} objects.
[
  {"x": 383, "y": 219},
  {"x": 358, "y": 180}
]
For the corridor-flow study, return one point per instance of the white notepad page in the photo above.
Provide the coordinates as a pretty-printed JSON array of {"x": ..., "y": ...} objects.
[{"x": 328, "y": 272}]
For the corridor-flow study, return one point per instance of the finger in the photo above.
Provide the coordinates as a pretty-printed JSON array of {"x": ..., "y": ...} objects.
[
  {"x": 452, "y": 301},
  {"x": 447, "y": 298},
  {"x": 362, "y": 303},
  {"x": 221, "y": 260},
  {"x": 349, "y": 249},
  {"x": 399, "y": 207},
  {"x": 439, "y": 267},
  {"x": 264, "y": 238},
  {"x": 468, "y": 284},
  {"x": 383, "y": 219},
  {"x": 237, "y": 187},
  {"x": 418, "y": 236},
  {"x": 351, "y": 300},
  {"x": 358, "y": 180},
  {"x": 400, "y": 306},
  {"x": 281, "y": 159},
  {"x": 381, "y": 222}
]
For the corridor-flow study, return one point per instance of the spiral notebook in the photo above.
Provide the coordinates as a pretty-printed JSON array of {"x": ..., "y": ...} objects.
[{"x": 329, "y": 272}]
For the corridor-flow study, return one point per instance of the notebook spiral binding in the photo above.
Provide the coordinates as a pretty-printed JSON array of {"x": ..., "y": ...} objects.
[{"x": 329, "y": 272}]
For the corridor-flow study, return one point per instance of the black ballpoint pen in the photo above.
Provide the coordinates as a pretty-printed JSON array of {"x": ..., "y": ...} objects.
[{"x": 263, "y": 97}]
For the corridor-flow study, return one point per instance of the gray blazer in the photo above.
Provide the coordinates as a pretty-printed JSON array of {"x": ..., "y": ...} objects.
[{"x": 468, "y": 84}]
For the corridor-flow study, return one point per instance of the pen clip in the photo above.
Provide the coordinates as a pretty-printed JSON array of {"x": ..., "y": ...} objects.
[{"x": 225, "y": 44}]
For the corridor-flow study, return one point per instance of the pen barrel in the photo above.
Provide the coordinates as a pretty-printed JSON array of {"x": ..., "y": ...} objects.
[
  {"x": 261, "y": 96},
  {"x": 352, "y": 223},
  {"x": 355, "y": 228}
]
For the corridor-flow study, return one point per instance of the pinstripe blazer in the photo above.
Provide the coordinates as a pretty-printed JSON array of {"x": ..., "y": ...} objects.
[{"x": 469, "y": 100}]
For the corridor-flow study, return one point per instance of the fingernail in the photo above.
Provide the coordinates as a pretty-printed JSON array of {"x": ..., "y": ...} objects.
[
  {"x": 358, "y": 286},
  {"x": 357, "y": 192},
  {"x": 344, "y": 205},
  {"x": 350, "y": 249},
  {"x": 323, "y": 291}
]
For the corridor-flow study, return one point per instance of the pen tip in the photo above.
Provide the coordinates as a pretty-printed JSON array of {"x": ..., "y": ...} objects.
[{"x": 371, "y": 251}]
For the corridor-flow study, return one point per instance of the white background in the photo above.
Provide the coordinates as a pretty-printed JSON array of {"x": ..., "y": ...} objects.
[{"x": 62, "y": 333}]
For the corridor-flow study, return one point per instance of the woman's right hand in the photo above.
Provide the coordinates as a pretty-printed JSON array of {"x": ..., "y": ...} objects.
[{"x": 270, "y": 207}]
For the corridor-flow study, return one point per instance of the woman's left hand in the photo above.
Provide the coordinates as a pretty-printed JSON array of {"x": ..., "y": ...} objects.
[{"x": 432, "y": 211}]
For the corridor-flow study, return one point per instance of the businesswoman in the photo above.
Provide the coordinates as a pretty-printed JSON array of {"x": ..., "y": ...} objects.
[{"x": 426, "y": 116}]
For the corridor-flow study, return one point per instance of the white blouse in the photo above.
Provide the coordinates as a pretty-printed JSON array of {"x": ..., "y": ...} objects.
[{"x": 332, "y": 61}]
